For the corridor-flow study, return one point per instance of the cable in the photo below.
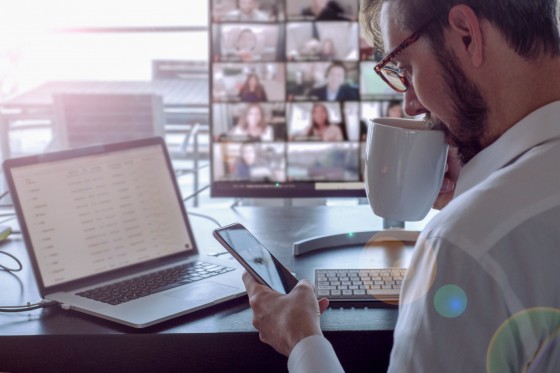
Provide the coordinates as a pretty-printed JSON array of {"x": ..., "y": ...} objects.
[
  {"x": 29, "y": 307},
  {"x": 205, "y": 217},
  {"x": 196, "y": 193},
  {"x": 180, "y": 173},
  {"x": 8, "y": 219},
  {"x": 4, "y": 194},
  {"x": 6, "y": 269}
]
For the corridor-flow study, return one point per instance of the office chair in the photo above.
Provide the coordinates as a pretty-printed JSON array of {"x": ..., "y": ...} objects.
[{"x": 87, "y": 119}]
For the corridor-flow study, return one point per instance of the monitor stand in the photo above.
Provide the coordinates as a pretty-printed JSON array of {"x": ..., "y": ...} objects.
[{"x": 393, "y": 230}]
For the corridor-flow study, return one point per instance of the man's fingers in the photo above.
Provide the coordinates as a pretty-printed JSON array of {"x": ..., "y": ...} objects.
[
  {"x": 249, "y": 281},
  {"x": 323, "y": 305},
  {"x": 304, "y": 282}
]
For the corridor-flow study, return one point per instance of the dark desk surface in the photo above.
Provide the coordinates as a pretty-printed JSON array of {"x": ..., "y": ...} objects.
[{"x": 221, "y": 338}]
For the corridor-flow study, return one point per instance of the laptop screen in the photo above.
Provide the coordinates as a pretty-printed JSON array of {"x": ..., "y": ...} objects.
[{"x": 95, "y": 213}]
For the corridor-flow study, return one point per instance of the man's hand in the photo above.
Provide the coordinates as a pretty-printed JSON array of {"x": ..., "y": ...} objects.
[
  {"x": 284, "y": 320},
  {"x": 453, "y": 168}
]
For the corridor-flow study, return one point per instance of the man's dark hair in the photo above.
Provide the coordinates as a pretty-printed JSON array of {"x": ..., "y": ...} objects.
[
  {"x": 335, "y": 64},
  {"x": 529, "y": 26}
]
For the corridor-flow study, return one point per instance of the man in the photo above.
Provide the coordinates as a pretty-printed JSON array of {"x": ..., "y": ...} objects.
[
  {"x": 483, "y": 296},
  {"x": 335, "y": 89}
]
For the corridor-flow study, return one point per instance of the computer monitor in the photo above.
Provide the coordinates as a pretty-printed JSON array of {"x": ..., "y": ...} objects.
[{"x": 292, "y": 90}]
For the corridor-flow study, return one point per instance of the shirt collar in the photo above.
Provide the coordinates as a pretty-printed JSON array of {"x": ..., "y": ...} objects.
[{"x": 539, "y": 126}]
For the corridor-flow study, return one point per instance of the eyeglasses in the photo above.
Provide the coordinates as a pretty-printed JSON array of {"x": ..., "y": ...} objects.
[{"x": 397, "y": 78}]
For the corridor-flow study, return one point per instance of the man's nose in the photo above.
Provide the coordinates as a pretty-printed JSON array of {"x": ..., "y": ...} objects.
[{"x": 412, "y": 106}]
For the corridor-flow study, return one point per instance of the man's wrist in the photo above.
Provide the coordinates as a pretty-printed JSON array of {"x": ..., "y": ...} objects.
[
  {"x": 296, "y": 339},
  {"x": 313, "y": 354}
]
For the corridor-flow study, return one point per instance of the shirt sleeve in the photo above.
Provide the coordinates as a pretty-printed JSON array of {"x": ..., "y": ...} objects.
[{"x": 314, "y": 354}]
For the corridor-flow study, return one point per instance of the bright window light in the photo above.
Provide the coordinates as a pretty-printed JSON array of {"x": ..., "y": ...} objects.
[{"x": 60, "y": 39}]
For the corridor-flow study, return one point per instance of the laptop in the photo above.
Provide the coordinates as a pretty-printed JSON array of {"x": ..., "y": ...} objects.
[{"x": 95, "y": 216}]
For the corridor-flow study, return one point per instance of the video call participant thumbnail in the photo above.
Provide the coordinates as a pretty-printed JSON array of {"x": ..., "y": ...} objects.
[
  {"x": 322, "y": 41},
  {"x": 247, "y": 10},
  {"x": 336, "y": 88},
  {"x": 252, "y": 125},
  {"x": 325, "y": 10},
  {"x": 252, "y": 122},
  {"x": 252, "y": 90},
  {"x": 257, "y": 162},
  {"x": 234, "y": 82},
  {"x": 320, "y": 127},
  {"x": 323, "y": 162},
  {"x": 247, "y": 42}
]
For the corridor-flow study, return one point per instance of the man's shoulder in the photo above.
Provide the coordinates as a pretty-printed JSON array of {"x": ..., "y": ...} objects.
[
  {"x": 348, "y": 92},
  {"x": 502, "y": 202},
  {"x": 318, "y": 91},
  {"x": 321, "y": 88}
]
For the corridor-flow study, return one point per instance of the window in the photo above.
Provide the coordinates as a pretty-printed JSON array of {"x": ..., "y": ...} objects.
[
  {"x": 95, "y": 40},
  {"x": 92, "y": 40}
]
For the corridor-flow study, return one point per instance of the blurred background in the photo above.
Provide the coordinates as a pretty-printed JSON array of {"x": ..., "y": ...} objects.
[{"x": 53, "y": 46}]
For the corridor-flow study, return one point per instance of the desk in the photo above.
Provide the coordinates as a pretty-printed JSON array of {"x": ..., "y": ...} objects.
[
  {"x": 218, "y": 339},
  {"x": 177, "y": 95}
]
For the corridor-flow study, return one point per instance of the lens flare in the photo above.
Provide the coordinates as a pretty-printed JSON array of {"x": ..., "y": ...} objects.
[
  {"x": 450, "y": 301},
  {"x": 529, "y": 338}
]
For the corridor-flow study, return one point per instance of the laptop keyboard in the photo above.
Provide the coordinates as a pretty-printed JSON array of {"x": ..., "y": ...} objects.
[
  {"x": 359, "y": 284},
  {"x": 144, "y": 285}
]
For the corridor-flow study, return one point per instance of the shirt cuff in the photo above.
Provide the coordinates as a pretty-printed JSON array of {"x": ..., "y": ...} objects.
[{"x": 313, "y": 354}]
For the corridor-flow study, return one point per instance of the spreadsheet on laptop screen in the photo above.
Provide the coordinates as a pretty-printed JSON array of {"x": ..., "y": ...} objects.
[{"x": 100, "y": 212}]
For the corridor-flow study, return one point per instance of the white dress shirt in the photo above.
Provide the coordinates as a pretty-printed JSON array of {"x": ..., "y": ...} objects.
[{"x": 481, "y": 293}]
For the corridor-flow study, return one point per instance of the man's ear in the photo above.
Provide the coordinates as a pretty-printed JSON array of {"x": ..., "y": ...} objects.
[{"x": 466, "y": 32}]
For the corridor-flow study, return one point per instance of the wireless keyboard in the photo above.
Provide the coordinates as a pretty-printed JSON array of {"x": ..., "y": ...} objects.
[{"x": 342, "y": 285}]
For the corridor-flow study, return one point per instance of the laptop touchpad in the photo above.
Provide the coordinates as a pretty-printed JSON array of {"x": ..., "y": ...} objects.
[{"x": 203, "y": 291}]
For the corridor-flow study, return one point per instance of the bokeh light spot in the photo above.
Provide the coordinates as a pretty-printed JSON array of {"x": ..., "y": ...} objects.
[
  {"x": 530, "y": 339},
  {"x": 450, "y": 301}
]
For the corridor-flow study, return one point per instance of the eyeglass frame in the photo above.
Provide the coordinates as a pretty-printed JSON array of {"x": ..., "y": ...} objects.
[{"x": 413, "y": 38}]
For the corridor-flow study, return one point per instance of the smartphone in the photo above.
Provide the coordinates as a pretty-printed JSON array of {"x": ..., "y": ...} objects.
[{"x": 255, "y": 258}]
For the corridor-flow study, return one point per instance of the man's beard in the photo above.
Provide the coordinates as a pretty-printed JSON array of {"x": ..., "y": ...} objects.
[{"x": 471, "y": 111}]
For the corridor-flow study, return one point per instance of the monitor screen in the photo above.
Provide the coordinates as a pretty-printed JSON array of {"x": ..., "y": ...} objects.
[{"x": 292, "y": 91}]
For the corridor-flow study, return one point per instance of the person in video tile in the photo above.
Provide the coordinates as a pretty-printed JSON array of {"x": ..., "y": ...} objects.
[
  {"x": 328, "y": 50},
  {"x": 245, "y": 44},
  {"x": 252, "y": 90},
  {"x": 324, "y": 10},
  {"x": 246, "y": 159},
  {"x": 257, "y": 162},
  {"x": 335, "y": 89},
  {"x": 394, "y": 109},
  {"x": 321, "y": 128},
  {"x": 252, "y": 125},
  {"x": 247, "y": 10}
]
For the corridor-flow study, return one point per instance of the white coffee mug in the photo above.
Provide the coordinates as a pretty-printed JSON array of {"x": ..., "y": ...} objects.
[{"x": 405, "y": 165}]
